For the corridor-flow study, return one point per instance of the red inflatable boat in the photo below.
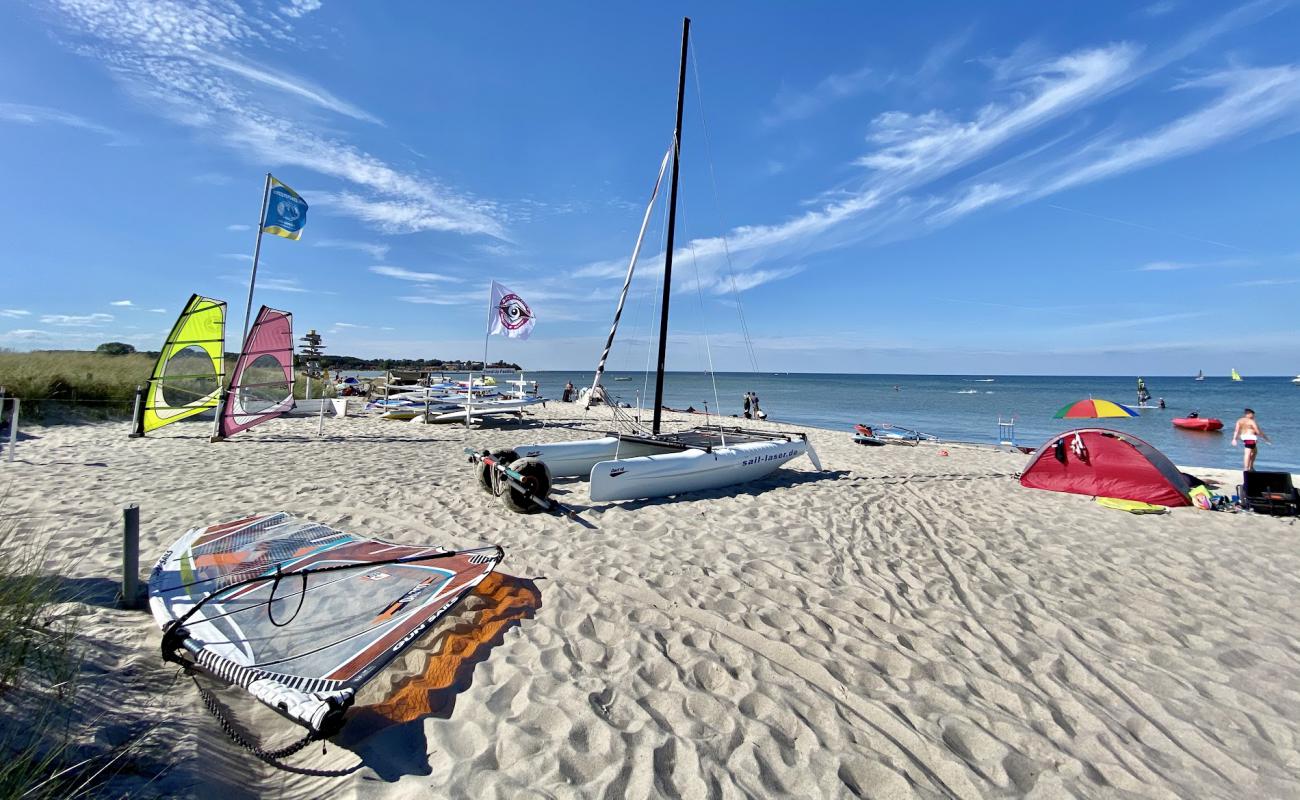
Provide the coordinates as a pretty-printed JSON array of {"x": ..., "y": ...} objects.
[{"x": 1198, "y": 423}]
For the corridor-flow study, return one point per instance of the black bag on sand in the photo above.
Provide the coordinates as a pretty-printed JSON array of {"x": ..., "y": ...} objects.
[{"x": 1269, "y": 493}]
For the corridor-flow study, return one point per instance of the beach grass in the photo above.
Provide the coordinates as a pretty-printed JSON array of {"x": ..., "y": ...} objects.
[
  {"x": 39, "y": 663},
  {"x": 74, "y": 384}
]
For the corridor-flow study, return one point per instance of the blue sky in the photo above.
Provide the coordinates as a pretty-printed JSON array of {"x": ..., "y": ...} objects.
[{"x": 1107, "y": 188}]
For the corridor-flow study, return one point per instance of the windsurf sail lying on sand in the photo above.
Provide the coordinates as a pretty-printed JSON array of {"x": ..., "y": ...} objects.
[
  {"x": 299, "y": 614},
  {"x": 261, "y": 385},
  {"x": 187, "y": 377}
]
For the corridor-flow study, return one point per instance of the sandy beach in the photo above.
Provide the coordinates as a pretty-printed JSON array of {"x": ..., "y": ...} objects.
[{"x": 905, "y": 624}]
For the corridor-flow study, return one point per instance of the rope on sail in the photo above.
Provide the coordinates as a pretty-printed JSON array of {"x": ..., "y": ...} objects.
[
  {"x": 627, "y": 281},
  {"x": 717, "y": 204}
]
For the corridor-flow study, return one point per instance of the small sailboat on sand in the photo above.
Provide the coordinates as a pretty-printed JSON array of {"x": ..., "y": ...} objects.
[{"x": 645, "y": 463}]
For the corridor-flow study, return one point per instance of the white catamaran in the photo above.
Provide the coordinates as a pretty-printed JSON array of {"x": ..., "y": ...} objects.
[{"x": 643, "y": 464}]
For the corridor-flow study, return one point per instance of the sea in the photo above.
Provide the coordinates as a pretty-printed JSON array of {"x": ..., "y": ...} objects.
[{"x": 968, "y": 407}]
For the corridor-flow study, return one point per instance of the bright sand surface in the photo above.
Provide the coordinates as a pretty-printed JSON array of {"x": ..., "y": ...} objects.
[{"x": 905, "y": 624}]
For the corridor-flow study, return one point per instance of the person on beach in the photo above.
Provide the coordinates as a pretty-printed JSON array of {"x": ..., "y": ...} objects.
[
  {"x": 568, "y": 392},
  {"x": 1248, "y": 430},
  {"x": 746, "y": 404}
]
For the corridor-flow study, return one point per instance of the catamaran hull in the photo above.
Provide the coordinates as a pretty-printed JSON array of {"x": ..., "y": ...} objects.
[
  {"x": 576, "y": 459},
  {"x": 689, "y": 470}
]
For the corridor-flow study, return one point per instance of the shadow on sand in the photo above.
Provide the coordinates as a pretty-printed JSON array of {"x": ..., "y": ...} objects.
[{"x": 503, "y": 602}]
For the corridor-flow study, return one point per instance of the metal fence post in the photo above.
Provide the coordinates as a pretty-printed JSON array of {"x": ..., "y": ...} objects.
[
  {"x": 137, "y": 421},
  {"x": 13, "y": 429},
  {"x": 131, "y": 556}
]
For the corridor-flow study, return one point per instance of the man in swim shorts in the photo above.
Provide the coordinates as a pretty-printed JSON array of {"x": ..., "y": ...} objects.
[{"x": 1249, "y": 432}]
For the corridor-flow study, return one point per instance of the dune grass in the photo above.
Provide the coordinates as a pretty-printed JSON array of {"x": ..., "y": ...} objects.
[
  {"x": 39, "y": 664},
  {"x": 83, "y": 384}
]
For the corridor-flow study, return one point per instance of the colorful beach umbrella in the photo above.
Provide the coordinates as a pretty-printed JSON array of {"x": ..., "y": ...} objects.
[{"x": 1094, "y": 409}]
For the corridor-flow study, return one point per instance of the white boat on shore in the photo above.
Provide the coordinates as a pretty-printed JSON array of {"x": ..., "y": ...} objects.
[{"x": 650, "y": 463}]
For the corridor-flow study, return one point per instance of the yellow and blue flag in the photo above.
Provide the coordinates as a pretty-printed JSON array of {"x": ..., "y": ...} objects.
[{"x": 286, "y": 212}]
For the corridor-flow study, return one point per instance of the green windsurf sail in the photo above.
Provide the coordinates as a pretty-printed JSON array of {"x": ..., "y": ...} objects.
[{"x": 187, "y": 379}]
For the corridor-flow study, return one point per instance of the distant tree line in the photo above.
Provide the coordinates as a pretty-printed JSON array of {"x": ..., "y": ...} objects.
[{"x": 348, "y": 363}]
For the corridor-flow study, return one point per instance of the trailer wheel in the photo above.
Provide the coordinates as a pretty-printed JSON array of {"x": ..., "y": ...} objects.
[
  {"x": 537, "y": 477},
  {"x": 485, "y": 472}
]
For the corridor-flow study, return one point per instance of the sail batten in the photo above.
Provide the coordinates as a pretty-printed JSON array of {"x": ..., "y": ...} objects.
[{"x": 187, "y": 378}]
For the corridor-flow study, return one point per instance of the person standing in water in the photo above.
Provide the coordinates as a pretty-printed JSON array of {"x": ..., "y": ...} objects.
[{"x": 1250, "y": 433}]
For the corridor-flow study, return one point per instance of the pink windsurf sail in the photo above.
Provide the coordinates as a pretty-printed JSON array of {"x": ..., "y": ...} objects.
[{"x": 261, "y": 385}]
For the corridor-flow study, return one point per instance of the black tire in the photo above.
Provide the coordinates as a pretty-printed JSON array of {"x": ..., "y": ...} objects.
[
  {"x": 537, "y": 477},
  {"x": 485, "y": 474}
]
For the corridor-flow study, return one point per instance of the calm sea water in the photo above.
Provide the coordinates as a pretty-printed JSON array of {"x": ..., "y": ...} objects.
[{"x": 967, "y": 407}]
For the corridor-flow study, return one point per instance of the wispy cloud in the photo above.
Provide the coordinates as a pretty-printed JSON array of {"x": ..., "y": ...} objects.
[
  {"x": 74, "y": 320},
  {"x": 376, "y": 251},
  {"x": 27, "y": 335},
  {"x": 158, "y": 310},
  {"x": 41, "y": 115},
  {"x": 300, "y": 8},
  {"x": 413, "y": 214},
  {"x": 182, "y": 61},
  {"x": 291, "y": 85},
  {"x": 122, "y": 303},
  {"x": 239, "y": 227},
  {"x": 792, "y": 105},
  {"x": 1268, "y": 282},
  {"x": 411, "y": 275},
  {"x": 14, "y": 313},
  {"x": 1173, "y": 266},
  {"x": 1158, "y": 9},
  {"x": 1135, "y": 321}
]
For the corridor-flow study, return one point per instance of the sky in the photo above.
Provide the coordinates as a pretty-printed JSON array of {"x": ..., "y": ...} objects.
[{"x": 1008, "y": 188}]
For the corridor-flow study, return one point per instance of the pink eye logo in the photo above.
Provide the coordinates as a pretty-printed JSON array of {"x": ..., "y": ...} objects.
[{"x": 513, "y": 312}]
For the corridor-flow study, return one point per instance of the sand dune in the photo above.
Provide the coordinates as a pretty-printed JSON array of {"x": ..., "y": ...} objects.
[{"x": 906, "y": 624}]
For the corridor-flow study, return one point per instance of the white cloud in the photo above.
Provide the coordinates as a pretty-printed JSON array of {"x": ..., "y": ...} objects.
[
  {"x": 412, "y": 214},
  {"x": 927, "y": 145},
  {"x": 27, "y": 335},
  {"x": 239, "y": 227},
  {"x": 181, "y": 61},
  {"x": 411, "y": 275},
  {"x": 1249, "y": 98},
  {"x": 14, "y": 313},
  {"x": 1269, "y": 282},
  {"x": 158, "y": 310},
  {"x": 300, "y": 8},
  {"x": 790, "y": 106},
  {"x": 296, "y": 86},
  {"x": 375, "y": 251},
  {"x": 40, "y": 115},
  {"x": 122, "y": 303},
  {"x": 1158, "y": 9},
  {"x": 347, "y": 325},
  {"x": 1174, "y": 266},
  {"x": 73, "y": 320}
]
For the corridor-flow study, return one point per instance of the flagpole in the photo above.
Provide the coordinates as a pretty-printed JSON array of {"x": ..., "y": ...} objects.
[
  {"x": 487, "y": 335},
  {"x": 248, "y": 307},
  {"x": 257, "y": 254}
]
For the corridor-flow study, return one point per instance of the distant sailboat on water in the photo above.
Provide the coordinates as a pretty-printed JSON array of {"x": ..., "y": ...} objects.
[
  {"x": 1200, "y": 374},
  {"x": 1235, "y": 375}
]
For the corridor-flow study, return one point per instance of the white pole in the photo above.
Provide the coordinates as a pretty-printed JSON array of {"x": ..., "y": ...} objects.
[
  {"x": 487, "y": 334},
  {"x": 13, "y": 429}
]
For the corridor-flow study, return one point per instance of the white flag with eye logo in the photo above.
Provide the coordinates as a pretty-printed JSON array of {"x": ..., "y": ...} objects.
[{"x": 511, "y": 316}]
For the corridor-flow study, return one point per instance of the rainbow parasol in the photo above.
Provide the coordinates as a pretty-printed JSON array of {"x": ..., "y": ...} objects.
[{"x": 1093, "y": 409}]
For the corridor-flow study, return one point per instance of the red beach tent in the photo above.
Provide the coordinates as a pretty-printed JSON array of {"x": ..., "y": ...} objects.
[{"x": 1106, "y": 463}]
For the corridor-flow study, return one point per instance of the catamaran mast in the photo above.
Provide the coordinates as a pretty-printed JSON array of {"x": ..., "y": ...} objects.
[{"x": 672, "y": 225}]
